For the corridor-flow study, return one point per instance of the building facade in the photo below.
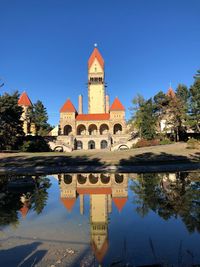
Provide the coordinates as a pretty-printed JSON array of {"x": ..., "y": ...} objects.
[{"x": 104, "y": 125}]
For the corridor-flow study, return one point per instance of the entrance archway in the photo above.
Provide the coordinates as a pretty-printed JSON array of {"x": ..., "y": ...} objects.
[
  {"x": 79, "y": 145},
  {"x": 91, "y": 144}
]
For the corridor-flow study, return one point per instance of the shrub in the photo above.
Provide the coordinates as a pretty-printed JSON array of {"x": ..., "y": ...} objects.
[
  {"x": 165, "y": 142},
  {"x": 35, "y": 145},
  {"x": 144, "y": 143},
  {"x": 193, "y": 143}
]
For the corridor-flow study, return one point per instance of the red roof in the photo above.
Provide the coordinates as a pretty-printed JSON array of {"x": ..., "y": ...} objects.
[
  {"x": 68, "y": 107},
  {"x": 100, "y": 254},
  {"x": 93, "y": 117},
  {"x": 24, "y": 100},
  {"x": 96, "y": 54},
  {"x": 171, "y": 92},
  {"x": 68, "y": 202},
  {"x": 24, "y": 210},
  {"x": 95, "y": 191},
  {"x": 119, "y": 202},
  {"x": 116, "y": 105}
]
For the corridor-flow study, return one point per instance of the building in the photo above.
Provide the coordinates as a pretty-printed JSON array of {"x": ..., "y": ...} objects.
[
  {"x": 25, "y": 102},
  {"x": 103, "y": 126},
  {"x": 103, "y": 189}
]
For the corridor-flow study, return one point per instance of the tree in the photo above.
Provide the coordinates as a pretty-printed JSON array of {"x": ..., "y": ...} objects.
[
  {"x": 143, "y": 118},
  {"x": 38, "y": 115},
  {"x": 10, "y": 124},
  {"x": 194, "y": 108},
  {"x": 148, "y": 122}
]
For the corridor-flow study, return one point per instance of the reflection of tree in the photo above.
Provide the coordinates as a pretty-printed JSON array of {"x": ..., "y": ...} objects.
[
  {"x": 169, "y": 197},
  {"x": 12, "y": 200},
  {"x": 40, "y": 196}
]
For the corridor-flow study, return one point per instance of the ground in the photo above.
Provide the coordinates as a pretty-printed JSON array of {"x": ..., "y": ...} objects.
[{"x": 175, "y": 155}]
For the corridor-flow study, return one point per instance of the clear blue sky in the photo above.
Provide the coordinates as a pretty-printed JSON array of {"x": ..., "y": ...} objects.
[{"x": 146, "y": 44}]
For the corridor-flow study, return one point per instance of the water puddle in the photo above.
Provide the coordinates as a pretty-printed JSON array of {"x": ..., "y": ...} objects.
[{"x": 100, "y": 219}]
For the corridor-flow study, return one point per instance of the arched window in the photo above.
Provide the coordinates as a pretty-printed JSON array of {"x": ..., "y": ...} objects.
[
  {"x": 119, "y": 178},
  {"x": 93, "y": 179},
  {"x": 117, "y": 129},
  {"x": 92, "y": 129},
  {"x": 81, "y": 130},
  {"x": 81, "y": 179},
  {"x": 79, "y": 145},
  {"x": 105, "y": 179},
  {"x": 91, "y": 144},
  {"x": 67, "y": 179},
  {"x": 104, "y": 144},
  {"x": 67, "y": 129},
  {"x": 104, "y": 129}
]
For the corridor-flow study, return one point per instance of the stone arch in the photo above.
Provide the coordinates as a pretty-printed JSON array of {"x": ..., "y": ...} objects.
[
  {"x": 81, "y": 129},
  {"x": 105, "y": 179},
  {"x": 117, "y": 129},
  {"x": 104, "y": 144},
  {"x": 104, "y": 129},
  {"x": 67, "y": 129},
  {"x": 67, "y": 178},
  {"x": 123, "y": 147},
  {"x": 119, "y": 178},
  {"x": 79, "y": 145},
  {"x": 91, "y": 144},
  {"x": 92, "y": 129},
  {"x": 81, "y": 179},
  {"x": 93, "y": 179}
]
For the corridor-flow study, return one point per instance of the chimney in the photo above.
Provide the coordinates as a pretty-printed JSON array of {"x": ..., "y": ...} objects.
[
  {"x": 80, "y": 104},
  {"x": 107, "y": 104}
]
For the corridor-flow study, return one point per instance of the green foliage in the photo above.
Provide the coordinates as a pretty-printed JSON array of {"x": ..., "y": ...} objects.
[
  {"x": 192, "y": 143},
  {"x": 165, "y": 141},
  {"x": 35, "y": 144},
  {"x": 10, "y": 123},
  {"x": 38, "y": 115},
  {"x": 194, "y": 107}
]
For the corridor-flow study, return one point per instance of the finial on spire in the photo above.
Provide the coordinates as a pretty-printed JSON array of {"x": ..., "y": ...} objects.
[{"x": 95, "y": 44}]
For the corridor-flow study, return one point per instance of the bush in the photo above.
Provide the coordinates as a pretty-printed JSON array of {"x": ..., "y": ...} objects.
[
  {"x": 35, "y": 145},
  {"x": 165, "y": 142},
  {"x": 193, "y": 143},
  {"x": 144, "y": 143}
]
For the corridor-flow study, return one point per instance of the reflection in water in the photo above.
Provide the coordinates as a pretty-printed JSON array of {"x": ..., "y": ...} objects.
[
  {"x": 168, "y": 195},
  {"x": 21, "y": 194},
  {"x": 102, "y": 189}
]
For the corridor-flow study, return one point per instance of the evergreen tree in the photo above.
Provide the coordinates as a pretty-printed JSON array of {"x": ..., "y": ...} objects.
[
  {"x": 38, "y": 115},
  {"x": 194, "y": 108},
  {"x": 10, "y": 123},
  {"x": 148, "y": 122}
]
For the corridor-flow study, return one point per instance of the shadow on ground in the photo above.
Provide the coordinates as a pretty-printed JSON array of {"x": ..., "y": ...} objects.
[{"x": 23, "y": 255}]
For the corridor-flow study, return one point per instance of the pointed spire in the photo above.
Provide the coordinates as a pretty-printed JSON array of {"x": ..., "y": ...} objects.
[
  {"x": 100, "y": 253},
  {"x": 24, "y": 100},
  {"x": 96, "y": 54},
  {"x": 170, "y": 92},
  {"x": 68, "y": 107},
  {"x": 24, "y": 210},
  {"x": 119, "y": 202},
  {"x": 68, "y": 202},
  {"x": 116, "y": 105}
]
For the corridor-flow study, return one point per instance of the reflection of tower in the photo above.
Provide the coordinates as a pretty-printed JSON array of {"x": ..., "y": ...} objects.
[
  {"x": 102, "y": 188},
  {"x": 26, "y": 205},
  {"x": 99, "y": 224},
  {"x": 120, "y": 190},
  {"x": 68, "y": 190}
]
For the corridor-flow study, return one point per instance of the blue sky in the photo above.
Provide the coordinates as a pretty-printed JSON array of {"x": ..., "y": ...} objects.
[{"x": 146, "y": 44}]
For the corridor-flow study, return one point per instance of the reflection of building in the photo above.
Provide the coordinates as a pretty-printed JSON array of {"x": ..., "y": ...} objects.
[
  {"x": 102, "y": 189},
  {"x": 103, "y": 125},
  {"x": 25, "y": 103},
  {"x": 26, "y": 205}
]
